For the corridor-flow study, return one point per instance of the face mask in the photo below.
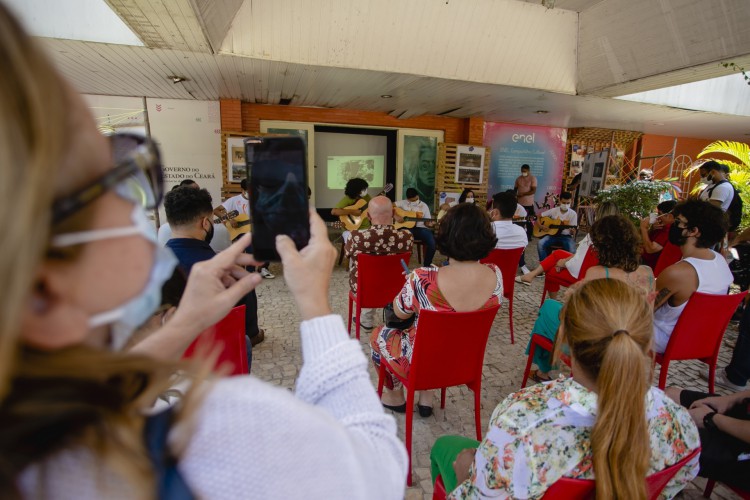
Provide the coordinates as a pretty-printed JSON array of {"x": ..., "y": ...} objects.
[
  {"x": 524, "y": 174},
  {"x": 704, "y": 180},
  {"x": 469, "y": 200},
  {"x": 564, "y": 206},
  {"x": 675, "y": 235},
  {"x": 209, "y": 235},
  {"x": 245, "y": 195},
  {"x": 124, "y": 320},
  {"x": 363, "y": 193}
]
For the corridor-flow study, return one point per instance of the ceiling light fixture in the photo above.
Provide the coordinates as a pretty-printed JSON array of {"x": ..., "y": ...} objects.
[
  {"x": 386, "y": 96},
  {"x": 541, "y": 111},
  {"x": 177, "y": 79}
]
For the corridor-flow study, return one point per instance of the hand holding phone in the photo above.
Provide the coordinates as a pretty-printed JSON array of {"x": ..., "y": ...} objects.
[{"x": 277, "y": 170}]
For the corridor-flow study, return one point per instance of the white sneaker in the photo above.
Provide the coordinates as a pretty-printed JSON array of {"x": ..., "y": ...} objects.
[
  {"x": 266, "y": 274},
  {"x": 721, "y": 379},
  {"x": 525, "y": 270}
]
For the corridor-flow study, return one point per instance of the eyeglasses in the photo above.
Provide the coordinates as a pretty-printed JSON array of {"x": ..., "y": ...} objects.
[{"x": 137, "y": 175}]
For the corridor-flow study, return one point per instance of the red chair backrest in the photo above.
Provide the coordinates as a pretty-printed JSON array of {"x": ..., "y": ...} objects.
[
  {"x": 507, "y": 260},
  {"x": 567, "y": 487},
  {"x": 589, "y": 260},
  {"x": 230, "y": 334},
  {"x": 701, "y": 325},
  {"x": 449, "y": 348},
  {"x": 670, "y": 254},
  {"x": 379, "y": 278}
]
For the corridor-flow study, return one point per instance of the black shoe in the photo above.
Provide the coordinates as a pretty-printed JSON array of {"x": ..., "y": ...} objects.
[
  {"x": 258, "y": 338},
  {"x": 398, "y": 409},
  {"x": 424, "y": 411}
]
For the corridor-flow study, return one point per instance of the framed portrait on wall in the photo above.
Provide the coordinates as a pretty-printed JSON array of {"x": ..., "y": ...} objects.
[{"x": 236, "y": 167}]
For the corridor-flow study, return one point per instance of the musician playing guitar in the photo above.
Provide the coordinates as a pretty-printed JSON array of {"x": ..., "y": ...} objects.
[
  {"x": 420, "y": 231},
  {"x": 355, "y": 190},
  {"x": 565, "y": 237}
]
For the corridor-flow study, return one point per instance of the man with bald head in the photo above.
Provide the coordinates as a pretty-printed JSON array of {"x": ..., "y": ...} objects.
[{"x": 381, "y": 238}]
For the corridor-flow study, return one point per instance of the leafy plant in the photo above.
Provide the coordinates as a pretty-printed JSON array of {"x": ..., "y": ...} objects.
[
  {"x": 734, "y": 67},
  {"x": 637, "y": 199},
  {"x": 739, "y": 170}
]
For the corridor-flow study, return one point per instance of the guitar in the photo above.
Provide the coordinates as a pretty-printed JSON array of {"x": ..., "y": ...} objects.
[
  {"x": 242, "y": 220},
  {"x": 352, "y": 222},
  {"x": 410, "y": 218},
  {"x": 549, "y": 226}
]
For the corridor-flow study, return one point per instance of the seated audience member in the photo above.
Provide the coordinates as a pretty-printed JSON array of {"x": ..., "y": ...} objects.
[
  {"x": 656, "y": 235},
  {"x": 605, "y": 423},
  {"x": 381, "y": 238},
  {"x": 697, "y": 227},
  {"x": 646, "y": 175},
  {"x": 615, "y": 241},
  {"x": 466, "y": 196},
  {"x": 719, "y": 190},
  {"x": 735, "y": 375},
  {"x": 724, "y": 426},
  {"x": 421, "y": 230},
  {"x": 563, "y": 262},
  {"x": 465, "y": 235},
  {"x": 77, "y": 282},
  {"x": 509, "y": 235},
  {"x": 564, "y": 237}
]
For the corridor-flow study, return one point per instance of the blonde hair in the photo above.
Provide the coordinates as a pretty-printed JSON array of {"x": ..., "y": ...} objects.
[
  {"x": 608, "y": 325},
  {"x": 76, "y": 395}
]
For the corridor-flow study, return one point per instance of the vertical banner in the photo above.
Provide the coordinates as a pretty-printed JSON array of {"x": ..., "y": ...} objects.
[
  {"x": 542, "y": 148},
  {"x": 419, "y": 160}
]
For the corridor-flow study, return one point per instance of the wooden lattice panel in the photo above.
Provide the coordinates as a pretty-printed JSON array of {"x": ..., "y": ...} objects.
[{"x": 446, "y": 173}]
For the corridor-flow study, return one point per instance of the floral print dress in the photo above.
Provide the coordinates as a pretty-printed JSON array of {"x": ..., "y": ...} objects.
[
  {"x": 540, "y": 434},
  {"x": 419, "y": 292}
]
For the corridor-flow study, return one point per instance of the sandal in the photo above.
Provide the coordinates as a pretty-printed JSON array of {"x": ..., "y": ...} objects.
[
  {"x": 519, "y": 280},
  {"x": 536, "y": 376}
]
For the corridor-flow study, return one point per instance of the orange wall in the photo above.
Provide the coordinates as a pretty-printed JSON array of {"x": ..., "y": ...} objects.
[{"x": 658, "y": 145}]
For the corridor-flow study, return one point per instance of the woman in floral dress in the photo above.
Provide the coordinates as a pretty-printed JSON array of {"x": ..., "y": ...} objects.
[
  {"x": 606, "y": 422},
  {"x": 465, "y": 235}
]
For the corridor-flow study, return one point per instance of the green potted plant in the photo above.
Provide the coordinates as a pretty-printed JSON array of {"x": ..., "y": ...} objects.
[{"x": 636, "y": 199}]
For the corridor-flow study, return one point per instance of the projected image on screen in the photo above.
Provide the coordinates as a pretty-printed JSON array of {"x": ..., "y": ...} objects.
[{"x": 342, "y": 168}]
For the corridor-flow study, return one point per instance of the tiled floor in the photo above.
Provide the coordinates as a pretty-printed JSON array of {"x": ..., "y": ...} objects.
[{"x": 278, "y": 359}]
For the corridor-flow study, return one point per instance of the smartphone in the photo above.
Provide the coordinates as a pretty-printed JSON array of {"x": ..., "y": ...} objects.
[{"x": 277, "y": 172}]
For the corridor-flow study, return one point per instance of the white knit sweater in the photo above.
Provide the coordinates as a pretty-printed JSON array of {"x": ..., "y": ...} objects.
[{"x": 254, "y": 440}]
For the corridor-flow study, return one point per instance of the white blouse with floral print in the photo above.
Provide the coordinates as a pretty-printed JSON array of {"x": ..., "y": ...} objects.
[{"x": 542, "y": 433}]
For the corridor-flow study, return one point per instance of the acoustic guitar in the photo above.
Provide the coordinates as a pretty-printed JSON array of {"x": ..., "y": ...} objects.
[
  {"x": 410, "y": 218},
  {"x": 549, "y": 226},
  {"x": 352, "y": 222},
  {"x": 242, "y": 220}
]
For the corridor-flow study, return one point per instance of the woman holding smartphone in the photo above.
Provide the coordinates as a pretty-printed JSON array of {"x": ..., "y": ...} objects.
[{"x": 81, "y": 269}]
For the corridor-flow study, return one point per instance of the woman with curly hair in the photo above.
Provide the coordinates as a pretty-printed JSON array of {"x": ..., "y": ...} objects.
[{"x": 616, "y": 243}]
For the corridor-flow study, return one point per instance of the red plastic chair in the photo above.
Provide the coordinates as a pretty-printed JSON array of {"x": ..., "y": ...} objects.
[
  {"x": 698, "y": 332},
  {"x": 542, "y": 343},
  {"x": 745, "y": 495},
  {"x": 570, "y": 488},
  {"x": 379, "y": 279},
  {"x": 589, "y": 260},
  {"x": 669, "y": 255},
  {"x": 440, "y": 360},
  {"x": 230, "y": 334},
  {"x": 507, "y": 260}
]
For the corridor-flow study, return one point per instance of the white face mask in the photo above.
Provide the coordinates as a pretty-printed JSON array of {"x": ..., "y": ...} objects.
[
  {"x": 363, "y": 193},
  {"x": 125, "y": 319},
  {"x": 524, "y": 174},
  {"x": 245, "y": 195},
  {"x": 469, "y": 200},
  {"x": 564, "y": 207}
]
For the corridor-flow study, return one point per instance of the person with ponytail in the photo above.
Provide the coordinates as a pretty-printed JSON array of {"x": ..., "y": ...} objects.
[
  {"x": 605, "y": 423},
  {"x": 81, "y": 270}
]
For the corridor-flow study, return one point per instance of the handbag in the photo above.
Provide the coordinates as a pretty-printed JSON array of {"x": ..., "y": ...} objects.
[{"x": 392, "y": 321}]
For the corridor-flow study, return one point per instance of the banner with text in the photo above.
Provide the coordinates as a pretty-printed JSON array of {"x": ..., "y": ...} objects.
[{"x": 542, "y": 148}]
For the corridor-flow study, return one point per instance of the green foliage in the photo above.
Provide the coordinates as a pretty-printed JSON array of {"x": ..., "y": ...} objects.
[{"x": 637, "y": 199}]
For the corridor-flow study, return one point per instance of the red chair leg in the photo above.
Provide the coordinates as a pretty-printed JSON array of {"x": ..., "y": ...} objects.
[
  {"x": 349, "y": 327},
  {"x": 442, "y": 398},
  {"x": 409, "y": 420},
  {"x": 510, "y": 316},
  {"x": 359, "y": 319},
  {"x": 438, "y": 491},
  {"x": 544, "y": 292},
  {"x": 663, "y": 374},
  {"x": 527, "y": 370},
  {"x": 477, "y": 413},
  {"x": 709, "y": 488},
  {"x": 711, "y": 377},
  {"x": 381, "y": 377}
]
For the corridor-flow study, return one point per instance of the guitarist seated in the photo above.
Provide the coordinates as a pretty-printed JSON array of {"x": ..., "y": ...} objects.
[
  {"x": 420, "y": 231},
  {"x": 558, "y": 236},
  {"x": 355, "y": 190}
]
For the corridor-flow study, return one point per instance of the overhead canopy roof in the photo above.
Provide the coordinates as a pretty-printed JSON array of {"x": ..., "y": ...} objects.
[{"x": 503, "y": 60}]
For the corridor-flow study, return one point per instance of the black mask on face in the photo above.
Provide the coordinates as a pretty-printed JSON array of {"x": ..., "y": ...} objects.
[
  {"x": 209, "y": 235},
  {"x": 675, "y": 235}
]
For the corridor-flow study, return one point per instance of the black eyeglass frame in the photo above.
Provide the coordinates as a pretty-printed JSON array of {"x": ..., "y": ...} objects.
[{"x": 130, "y": 166}]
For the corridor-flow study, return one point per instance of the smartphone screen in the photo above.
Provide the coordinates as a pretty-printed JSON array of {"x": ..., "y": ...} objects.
[{"x": 277, "y": 168}]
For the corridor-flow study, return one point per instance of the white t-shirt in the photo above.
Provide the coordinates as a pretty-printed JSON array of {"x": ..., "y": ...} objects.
[
  {"x": 238, "y": 203},
  {"x": 509, "y": 235},
  {"x": 419, "y": 206},
  {"x": 722, "y": 192},
  {"x": 520, "y": 211},
  {"x": 569, "y": 218},
  {"x": 576, "y": 261}
]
